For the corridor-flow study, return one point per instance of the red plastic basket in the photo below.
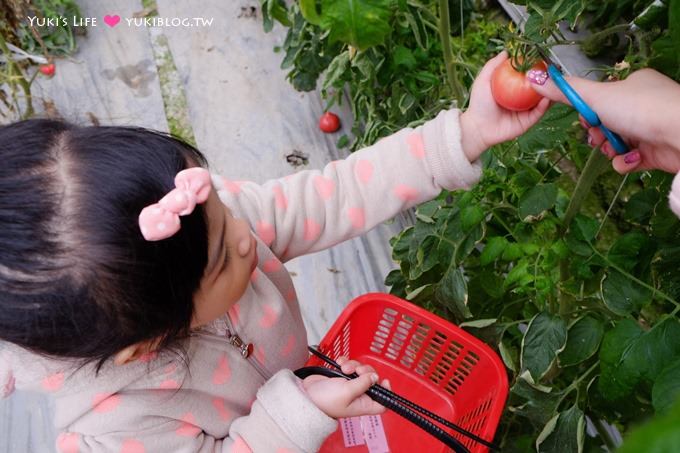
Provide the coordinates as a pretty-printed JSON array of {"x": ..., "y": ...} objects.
[{"x": 429, "y": 361}]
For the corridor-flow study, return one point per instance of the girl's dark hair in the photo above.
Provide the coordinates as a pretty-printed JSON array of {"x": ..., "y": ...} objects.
[{"x": 77, "y": 279}]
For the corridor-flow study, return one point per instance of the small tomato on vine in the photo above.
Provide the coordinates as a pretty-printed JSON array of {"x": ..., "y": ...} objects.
[
  {"x": 48, "y": 69},
  {"x": 510, "y": 88},
  {"x": 329, "y": 122}
]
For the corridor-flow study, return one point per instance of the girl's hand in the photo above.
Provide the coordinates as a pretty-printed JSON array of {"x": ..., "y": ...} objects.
[
  {"x": 486, "y": 123},
  {"x": 339, "y": 397}
]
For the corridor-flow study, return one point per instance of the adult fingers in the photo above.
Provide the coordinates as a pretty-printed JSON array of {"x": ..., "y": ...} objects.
[
  {"x": 593, "y": 93},
  {"x": 628, "y": 162},
  {"x": 595, "y": 137}
]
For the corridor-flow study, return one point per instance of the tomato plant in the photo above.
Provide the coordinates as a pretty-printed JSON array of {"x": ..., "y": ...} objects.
[
  {"x": 567, "y": 269},
  {"x": 22, "y": 44},
  {"x": 511, "y": 89}
]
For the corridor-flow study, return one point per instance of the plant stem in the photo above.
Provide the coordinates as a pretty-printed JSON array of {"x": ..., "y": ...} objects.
[
  {"x": 604, "y": 434},
  {"x": 611, "y": 205},
  {"x": 596, "y": 163},
  {"x": 445, "y": 36}
]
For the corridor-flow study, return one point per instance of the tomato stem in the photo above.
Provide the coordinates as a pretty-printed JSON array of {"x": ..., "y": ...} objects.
[{"x": 445, "y": 36}]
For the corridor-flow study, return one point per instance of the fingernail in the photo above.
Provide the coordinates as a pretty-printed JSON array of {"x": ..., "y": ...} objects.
[
  {"x": 590, "y": 140},
  {"x": 374, "y": 378},
  {"x": 537, "y": 77},
  {"x": 632, "y": 158}
]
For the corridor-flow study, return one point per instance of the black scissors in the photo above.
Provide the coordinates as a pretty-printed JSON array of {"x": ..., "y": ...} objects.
[{"x": 405, "y": 408}]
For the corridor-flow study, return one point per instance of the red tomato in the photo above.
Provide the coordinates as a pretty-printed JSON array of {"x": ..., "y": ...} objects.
[
  {"x": 512, "y": 90},
  {"x": 329, "y": 122},
  {"x": 48, "y": 69}
]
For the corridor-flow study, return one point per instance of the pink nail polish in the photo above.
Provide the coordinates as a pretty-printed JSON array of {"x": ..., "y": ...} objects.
[
  {"x": 632, "y": 158},
  {"x": 536, "y": 76}
]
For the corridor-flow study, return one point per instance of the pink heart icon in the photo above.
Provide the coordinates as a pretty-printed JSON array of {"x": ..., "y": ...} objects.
[{"x": 111, "y": 21}]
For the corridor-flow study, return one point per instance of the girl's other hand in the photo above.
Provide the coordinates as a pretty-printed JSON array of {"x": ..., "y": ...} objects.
[
  {"x": 486, "y": 123},
  {"x": 339, "y": 397}
]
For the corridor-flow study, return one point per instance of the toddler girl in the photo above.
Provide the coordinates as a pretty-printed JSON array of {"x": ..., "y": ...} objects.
[{"x": 150, "y": 298}]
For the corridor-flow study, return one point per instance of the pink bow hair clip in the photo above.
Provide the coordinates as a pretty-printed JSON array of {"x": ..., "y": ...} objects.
[{"x": 161, "y": 220}]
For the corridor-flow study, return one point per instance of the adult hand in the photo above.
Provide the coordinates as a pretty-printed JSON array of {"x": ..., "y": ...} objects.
[
  {"x": 486, "y": 123},
  {"x": 339, "y": 397},
  {"x": 644, "y": 109}
]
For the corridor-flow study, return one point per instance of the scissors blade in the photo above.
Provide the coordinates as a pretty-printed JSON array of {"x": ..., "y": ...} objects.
[{"x": 544, "y": 55}]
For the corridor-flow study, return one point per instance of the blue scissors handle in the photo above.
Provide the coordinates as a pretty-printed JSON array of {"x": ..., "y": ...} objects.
[{"x": 588, "y": 114}]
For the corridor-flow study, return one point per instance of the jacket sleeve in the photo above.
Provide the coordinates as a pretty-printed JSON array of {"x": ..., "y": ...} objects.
[
  {"x": 316, "y": 209},
  {"x": 282, "y": 420},
  {"x": 674, "y": 195}
]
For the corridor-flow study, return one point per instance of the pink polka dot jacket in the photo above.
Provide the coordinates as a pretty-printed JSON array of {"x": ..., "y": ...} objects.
[{"x": 221, "y": 401}]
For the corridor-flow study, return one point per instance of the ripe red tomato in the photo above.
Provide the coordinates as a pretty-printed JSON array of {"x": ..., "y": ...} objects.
[
  {"x": 48, "y": 69},
  {"x": 511, "y": 89},
  {"x": 329, "y": 122}
]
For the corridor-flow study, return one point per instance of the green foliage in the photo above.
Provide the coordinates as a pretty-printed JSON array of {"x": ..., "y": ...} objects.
[
  {"x": 392, "y": 62},
  {"x": 567, "y": 269},
  {"x": 47, "y": 41},
  {"x": 57, "y": 40}
]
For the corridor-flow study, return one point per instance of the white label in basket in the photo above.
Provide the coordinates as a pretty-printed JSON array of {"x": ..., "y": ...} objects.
[
  {"x": 374, "y": 434},
  {"x": 366, "y": 430},
  {"x": 351, "y": 431}
]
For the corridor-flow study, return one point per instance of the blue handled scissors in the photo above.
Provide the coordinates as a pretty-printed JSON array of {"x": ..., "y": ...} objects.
[{"x": 580, "y": 105}]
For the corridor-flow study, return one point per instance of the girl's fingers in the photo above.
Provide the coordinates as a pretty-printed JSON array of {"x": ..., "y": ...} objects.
[
  {"x": 360, "y": 385},
  {"x": 583, "y": 122},
  {"x": 628, "y": 162}
]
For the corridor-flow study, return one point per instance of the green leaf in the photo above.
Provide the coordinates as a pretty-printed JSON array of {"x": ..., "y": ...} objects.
[
  {"x": 471, "y": 217},
  {"x": 630, "y": 357},
  {"x": 585, "y": 227},
  {"x": 512, "y": 252},
  {"x": 492, "y": 284},
  {"x": 359, "y": 23},
  {"x": 309, "y": 12},
  {"x": 426, "y": 255},
  {"x": 518, "y": 272},
  {"x": 535, "y": 402},
  {"x": 534, "y": 202},
  {"x": 564, "y": 432},
  {"x": 404, "y": 58},
  {"x": 622, "y": 295},
  {"x": 583, "y": 339},
  {"x": 661, "y": 435},
  {"x": 545, "y": 337},
  {"x": 452, "y": 292},
  {"x": 629, "y": 249},
  {"x": 640, "y": 206},
  {"x": 478, "y": 323},
  {"x": 509, "y": 355},
  {"x": 550, "y": 132},
  {"x": 674, "y": 27},
  {"x": 336, "y": 69},
  {"x": 666, "y": 389},
  {"x": 492, "y": 250}
]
